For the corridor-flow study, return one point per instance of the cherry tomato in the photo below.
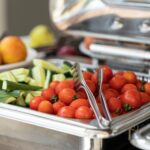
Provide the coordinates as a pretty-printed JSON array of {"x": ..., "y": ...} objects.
[
  {"x": 87, "y": 75},
  {"x": 80, "y": 102},
  {"x": 117, "y": 82},
  {"x": 109, "y": 93},
  {"x": 127, "y": 87},
  {"x": 91, "y": 85},
  {"x": 145, "y": 98},
  {"x": 53, "y": 84},
  {"x": 81, "y": 94},
  {"x": 120, "y": 73},
  {"x": 57, "y": 106},
  {"x": 131, "y": 99},
  {"x": 83, "y": 112},
  {"x": 94, "y": 77},
  {"x": 70, "y": 82},
  {"x": 46, "y": 107},
  {"x": 114, "y": 105},
  {"x": 147, "y": 88},
  {"x": 67, "y": 112},
  {"x": 64, "y": 84},
  {"x": 67, "y": 95},
  {"x": 139, "y": 85},
  {"x": 105, "y": 86},
  {"x": 48, "y": 93},
  {"x": 130, "y": 76},
  {"x": 34, "y": 103},
  {"x": 107, "y": 73}
]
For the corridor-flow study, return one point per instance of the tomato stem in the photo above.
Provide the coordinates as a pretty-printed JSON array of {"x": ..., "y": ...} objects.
[
  {"x": 75, "y": 97},
  {"x": 127, "y": 107},
  {"x": 54, "y": 98}
]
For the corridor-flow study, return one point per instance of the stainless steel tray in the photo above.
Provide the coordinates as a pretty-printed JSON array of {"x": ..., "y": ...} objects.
[{"x": 80, "y": 128}]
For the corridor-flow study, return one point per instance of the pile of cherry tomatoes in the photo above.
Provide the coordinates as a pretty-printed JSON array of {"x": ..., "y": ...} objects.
[{"x": 123, "y": 91}]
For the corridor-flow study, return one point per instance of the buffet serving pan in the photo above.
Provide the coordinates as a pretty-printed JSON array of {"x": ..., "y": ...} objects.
[{"x": 28, "y": 125}]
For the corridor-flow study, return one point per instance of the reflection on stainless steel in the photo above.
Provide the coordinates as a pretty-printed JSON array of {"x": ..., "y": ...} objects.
[
  {"x": 67, "y": 12},
  {"x": 141, "y": 138},
  {"x": 145, "y": 26}
]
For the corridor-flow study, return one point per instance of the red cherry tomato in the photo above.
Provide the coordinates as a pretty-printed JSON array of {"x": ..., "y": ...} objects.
[
  {"x": 67, "y": 95},
  {"x": 145, "y": 98},
  {"x": 63, "y": 85},
  {"x": 48, "y": 93},
  {"x": 67, "y": 112},
  {"x": 46, "y": 107},
  {"x": 130, "y": 76},
  {"x": 147, "y": 88},
  {"x": 139, "y": 85},
  {"x": 120, "y": 73},
  {"x": 105, "y": 86},
  {"x": 81, "y": 94},
  {"x": 117, "y": 82},
  {"x": 80, "y": 102},
  {"x": 53, "y": 84},
  {"x": 91, "y": 85},
  {"x": 94, "y": 77},
  {"x": 57, "y": 106},
  {"x": 127, "y": 87},
  {"x": 109, "y": 93},
  {"x": 87, "y": 75},
  {"x": 114, "y": 105},
  {"x": 34, "y": 103},
  {"x": 131, "y": 99},
  {"x": 83, "y": 112},
  {"x": 107, "y": 73}
]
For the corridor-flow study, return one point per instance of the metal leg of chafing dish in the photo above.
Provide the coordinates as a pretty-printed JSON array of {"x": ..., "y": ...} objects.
[{"x": 91, "y": 144}]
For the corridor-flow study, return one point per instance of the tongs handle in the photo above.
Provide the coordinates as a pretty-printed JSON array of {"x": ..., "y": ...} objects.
[
  {"x": 102, "y": 97},
  {"x": 102, "y": 122}
]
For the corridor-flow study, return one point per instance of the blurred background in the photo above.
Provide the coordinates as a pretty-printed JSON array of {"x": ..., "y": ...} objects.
[{"x": 18, "y": 18}]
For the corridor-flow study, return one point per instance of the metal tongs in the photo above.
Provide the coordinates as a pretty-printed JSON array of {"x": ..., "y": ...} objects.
[
  {"x": 80, "y": 83},
  {"x": 102, "y": 97}
]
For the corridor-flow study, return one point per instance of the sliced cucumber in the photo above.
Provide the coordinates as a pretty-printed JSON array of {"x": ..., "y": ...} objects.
[
  {"x": 28, "y": 98},
  {"x": 10, "y": 100},
  {"x": 38, "y": 74},
  {"x": 58, "y": 77},
  {"x": 21, "y": 99},
  {"x": 36, "y": 93},
  {"x": 33, "y": 82},
  {"x": 22, "y": 78},
  {"x": 20, "y": 71},
  {"x": 8, "y": 85},
  {"x": 66, "y": 66},
  {"x": 47, "y": 65},
  {"x": 7, "y": 76},
  {"x": 67, "y": 63},
  {"x": 48, "y": 79}
]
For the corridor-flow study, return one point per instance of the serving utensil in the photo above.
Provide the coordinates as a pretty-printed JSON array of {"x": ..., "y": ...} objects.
[{"x": 80, "y": 83}]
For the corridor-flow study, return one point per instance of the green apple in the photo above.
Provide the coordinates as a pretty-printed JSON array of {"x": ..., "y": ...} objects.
[{"x": 40, "y": 36}]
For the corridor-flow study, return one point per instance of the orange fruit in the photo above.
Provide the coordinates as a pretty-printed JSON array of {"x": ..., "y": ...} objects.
[
  {"x": 0, "y": 59},
  {"x": 12, "y": 50}
]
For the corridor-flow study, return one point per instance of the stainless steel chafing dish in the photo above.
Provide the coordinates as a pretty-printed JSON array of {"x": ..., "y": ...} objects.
[{"x": 21, "y": 126}]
